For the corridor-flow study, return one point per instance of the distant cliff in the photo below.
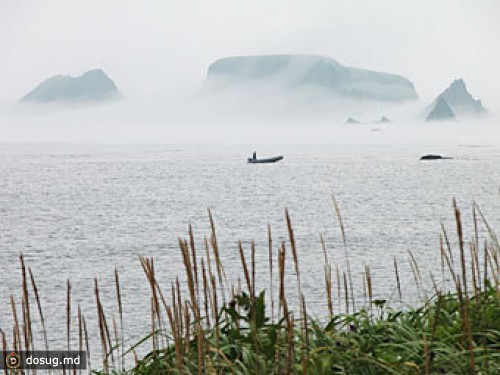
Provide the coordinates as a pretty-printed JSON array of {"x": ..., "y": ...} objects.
[
  {"x": 458, "y": 100},
  {"x": 294, "y": 72},
  {"x": 93, "y": 86}
]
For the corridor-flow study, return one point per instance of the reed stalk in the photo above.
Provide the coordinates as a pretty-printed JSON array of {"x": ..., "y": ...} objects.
[
  {"x": 346, "y": 254},
  {"x": 40, "y": 310}
]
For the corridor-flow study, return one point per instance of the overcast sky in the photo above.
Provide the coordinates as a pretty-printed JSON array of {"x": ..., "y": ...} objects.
[
  {"x": 163, "y": 47},
  {"x": 152, "y": 45}
]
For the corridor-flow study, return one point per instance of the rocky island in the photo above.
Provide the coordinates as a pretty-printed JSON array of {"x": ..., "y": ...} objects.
[
  {"x": 453, "y": 102},
  {"x": 295, "y": 72},
  {"x": 93, "y": 86}
]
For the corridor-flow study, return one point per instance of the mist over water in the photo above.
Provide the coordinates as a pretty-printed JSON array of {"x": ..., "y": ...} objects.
[
  {"x": 158, "y": 54},
  {"x": 255, "y": 113},
  {"x": 130, "y": 123}
]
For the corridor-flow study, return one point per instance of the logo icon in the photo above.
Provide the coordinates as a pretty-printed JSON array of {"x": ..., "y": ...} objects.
[{"x": 13, "y": 360}]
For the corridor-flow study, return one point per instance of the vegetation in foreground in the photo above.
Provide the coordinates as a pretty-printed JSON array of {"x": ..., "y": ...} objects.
[{"x": 222, "y": 329}]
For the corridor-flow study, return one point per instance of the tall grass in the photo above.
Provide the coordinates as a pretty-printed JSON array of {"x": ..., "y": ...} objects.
[{"x": 212, "y": 326}]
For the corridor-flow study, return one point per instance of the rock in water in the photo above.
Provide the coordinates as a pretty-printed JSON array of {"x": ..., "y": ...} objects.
[
  {"x": 460, "y": 100},
  {"x": 433, "y": 157},
  {"x": 351, "y": 120},
  {"x": 383, "y": 120},
  {"x": 93, "y": 86},
  {"x": 441, "y": 111},
  {"x": 294, "y": 72}
]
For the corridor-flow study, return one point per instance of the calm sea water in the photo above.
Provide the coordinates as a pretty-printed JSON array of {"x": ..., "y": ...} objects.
[{"x": 78, "y": 212}]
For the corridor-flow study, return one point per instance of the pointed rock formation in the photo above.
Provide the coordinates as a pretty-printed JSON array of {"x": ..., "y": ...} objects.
[
  {"x": 93, "y": 86},
  {"x": 460, "y": 100},
  {"x": 440, "y": 111}
]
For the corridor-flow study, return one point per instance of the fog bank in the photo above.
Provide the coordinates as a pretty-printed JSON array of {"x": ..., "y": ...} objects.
[{"x": 158, "y": 53}]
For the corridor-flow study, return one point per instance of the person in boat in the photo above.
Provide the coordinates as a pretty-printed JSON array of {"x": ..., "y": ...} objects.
[{"x": 254, "y": 157}]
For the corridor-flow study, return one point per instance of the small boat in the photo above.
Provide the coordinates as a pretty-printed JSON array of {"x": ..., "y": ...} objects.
[{"x": 266, "y": 160}]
